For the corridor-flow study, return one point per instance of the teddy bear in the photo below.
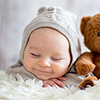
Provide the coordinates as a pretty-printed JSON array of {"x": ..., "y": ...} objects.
[{"x": 89, "y": 62}]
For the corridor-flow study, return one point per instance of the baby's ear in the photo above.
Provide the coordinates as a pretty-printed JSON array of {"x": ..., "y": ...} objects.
[
  {"x": 41, "y": 10},
  {"x": 83, "y": 24}
]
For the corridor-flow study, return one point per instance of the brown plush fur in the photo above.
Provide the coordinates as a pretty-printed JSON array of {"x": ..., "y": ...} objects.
[
  {"x": 90, "y": 61},
  {"x": 87, "y": 81}
]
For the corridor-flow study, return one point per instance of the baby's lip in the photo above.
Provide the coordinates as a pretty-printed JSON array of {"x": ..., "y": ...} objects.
[{"x": 42, "y": 71}]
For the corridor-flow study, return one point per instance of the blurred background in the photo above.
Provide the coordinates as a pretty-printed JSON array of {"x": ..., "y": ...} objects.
[{"x": 16, "y": 14}]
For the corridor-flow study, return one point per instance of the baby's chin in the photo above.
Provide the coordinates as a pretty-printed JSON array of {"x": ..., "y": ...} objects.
[
  {"x": 43, "y": 77},
  {"x": 46, "y": 78}
]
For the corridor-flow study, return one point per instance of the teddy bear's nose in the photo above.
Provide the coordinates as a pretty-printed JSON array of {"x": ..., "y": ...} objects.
[{"x": 99, "y": 34}]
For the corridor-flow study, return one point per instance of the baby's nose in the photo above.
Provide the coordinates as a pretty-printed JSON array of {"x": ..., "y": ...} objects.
[{"x": 44, "y": 63}]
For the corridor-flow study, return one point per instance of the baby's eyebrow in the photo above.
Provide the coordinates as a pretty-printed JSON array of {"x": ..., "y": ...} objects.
[
  {"x": 59, "y": 53},
  {"x": 32, "y": 47},
  {"x": 35, "y": 48}
]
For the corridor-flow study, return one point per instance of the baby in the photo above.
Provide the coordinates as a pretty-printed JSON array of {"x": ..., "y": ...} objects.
[{"x": 49, "y": 49}]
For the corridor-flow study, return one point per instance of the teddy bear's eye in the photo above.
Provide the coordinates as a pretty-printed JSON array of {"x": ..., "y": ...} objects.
[{"x": 99, "y": 34}]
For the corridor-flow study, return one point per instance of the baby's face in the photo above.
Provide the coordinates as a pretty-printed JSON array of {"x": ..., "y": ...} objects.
[{"x": 47, "y": 54}]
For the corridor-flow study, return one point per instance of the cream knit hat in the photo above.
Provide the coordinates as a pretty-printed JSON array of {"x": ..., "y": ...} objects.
[{"x": 59, "y": 19}]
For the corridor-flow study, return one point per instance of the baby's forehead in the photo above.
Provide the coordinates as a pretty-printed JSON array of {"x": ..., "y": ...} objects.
[
  {"x": 46, "y": 30},
  {"x": 48, "y": 38},
  {"x": 48, "y": 33}
]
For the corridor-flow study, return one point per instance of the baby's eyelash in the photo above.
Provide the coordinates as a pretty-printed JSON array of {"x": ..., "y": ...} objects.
[
  {"x": 35, "y": 55},
  {"x": 56, "y": 59}
]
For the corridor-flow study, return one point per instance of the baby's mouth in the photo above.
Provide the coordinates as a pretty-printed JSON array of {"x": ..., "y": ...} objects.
[{"x": 42, "y": 71}]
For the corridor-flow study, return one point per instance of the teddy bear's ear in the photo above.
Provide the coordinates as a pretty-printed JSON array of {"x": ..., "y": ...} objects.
[{"x": 83, "y": 24}]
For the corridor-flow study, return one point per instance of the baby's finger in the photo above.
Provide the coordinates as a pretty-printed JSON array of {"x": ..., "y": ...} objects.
[
  {"x": 62, "y": 78},
  {"x": 45, "y": 84},
  {"x": 57, "y": 82},
  {"x": 49, "y": 83}
]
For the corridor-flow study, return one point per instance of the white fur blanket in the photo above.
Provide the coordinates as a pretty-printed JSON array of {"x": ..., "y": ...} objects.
[{"x": 10, "y": 89}]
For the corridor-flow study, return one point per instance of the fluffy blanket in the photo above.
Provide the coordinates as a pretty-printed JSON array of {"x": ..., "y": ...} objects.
[{"x": 10, "y": 89}]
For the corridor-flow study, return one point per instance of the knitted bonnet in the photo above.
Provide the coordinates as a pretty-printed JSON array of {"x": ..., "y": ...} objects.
[{"x": 59, "y": 19}]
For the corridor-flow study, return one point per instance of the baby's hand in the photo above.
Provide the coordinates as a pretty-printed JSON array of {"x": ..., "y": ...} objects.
[{"x": 54, "y": 82}]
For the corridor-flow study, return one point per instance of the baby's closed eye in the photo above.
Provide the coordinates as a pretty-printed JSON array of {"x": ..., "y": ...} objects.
[{"x": 35, "y": 55}]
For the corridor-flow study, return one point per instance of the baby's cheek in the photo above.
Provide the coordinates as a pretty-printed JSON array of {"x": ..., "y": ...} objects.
[
  {"x": 60, "y": 70},
  {"x": 26, "y": 64}
]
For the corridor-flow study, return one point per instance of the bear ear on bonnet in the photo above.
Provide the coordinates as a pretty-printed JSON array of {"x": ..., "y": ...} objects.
[{"x": 83, "y": 24}]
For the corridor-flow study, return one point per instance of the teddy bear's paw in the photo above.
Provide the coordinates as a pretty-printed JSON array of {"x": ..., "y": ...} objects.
[
  {"x": 88, "y": 81},
  {"x": 84, "y": 67}
]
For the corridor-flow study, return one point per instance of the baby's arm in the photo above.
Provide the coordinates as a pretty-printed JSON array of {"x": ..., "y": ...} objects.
[{"x": 54, "y": 82}]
